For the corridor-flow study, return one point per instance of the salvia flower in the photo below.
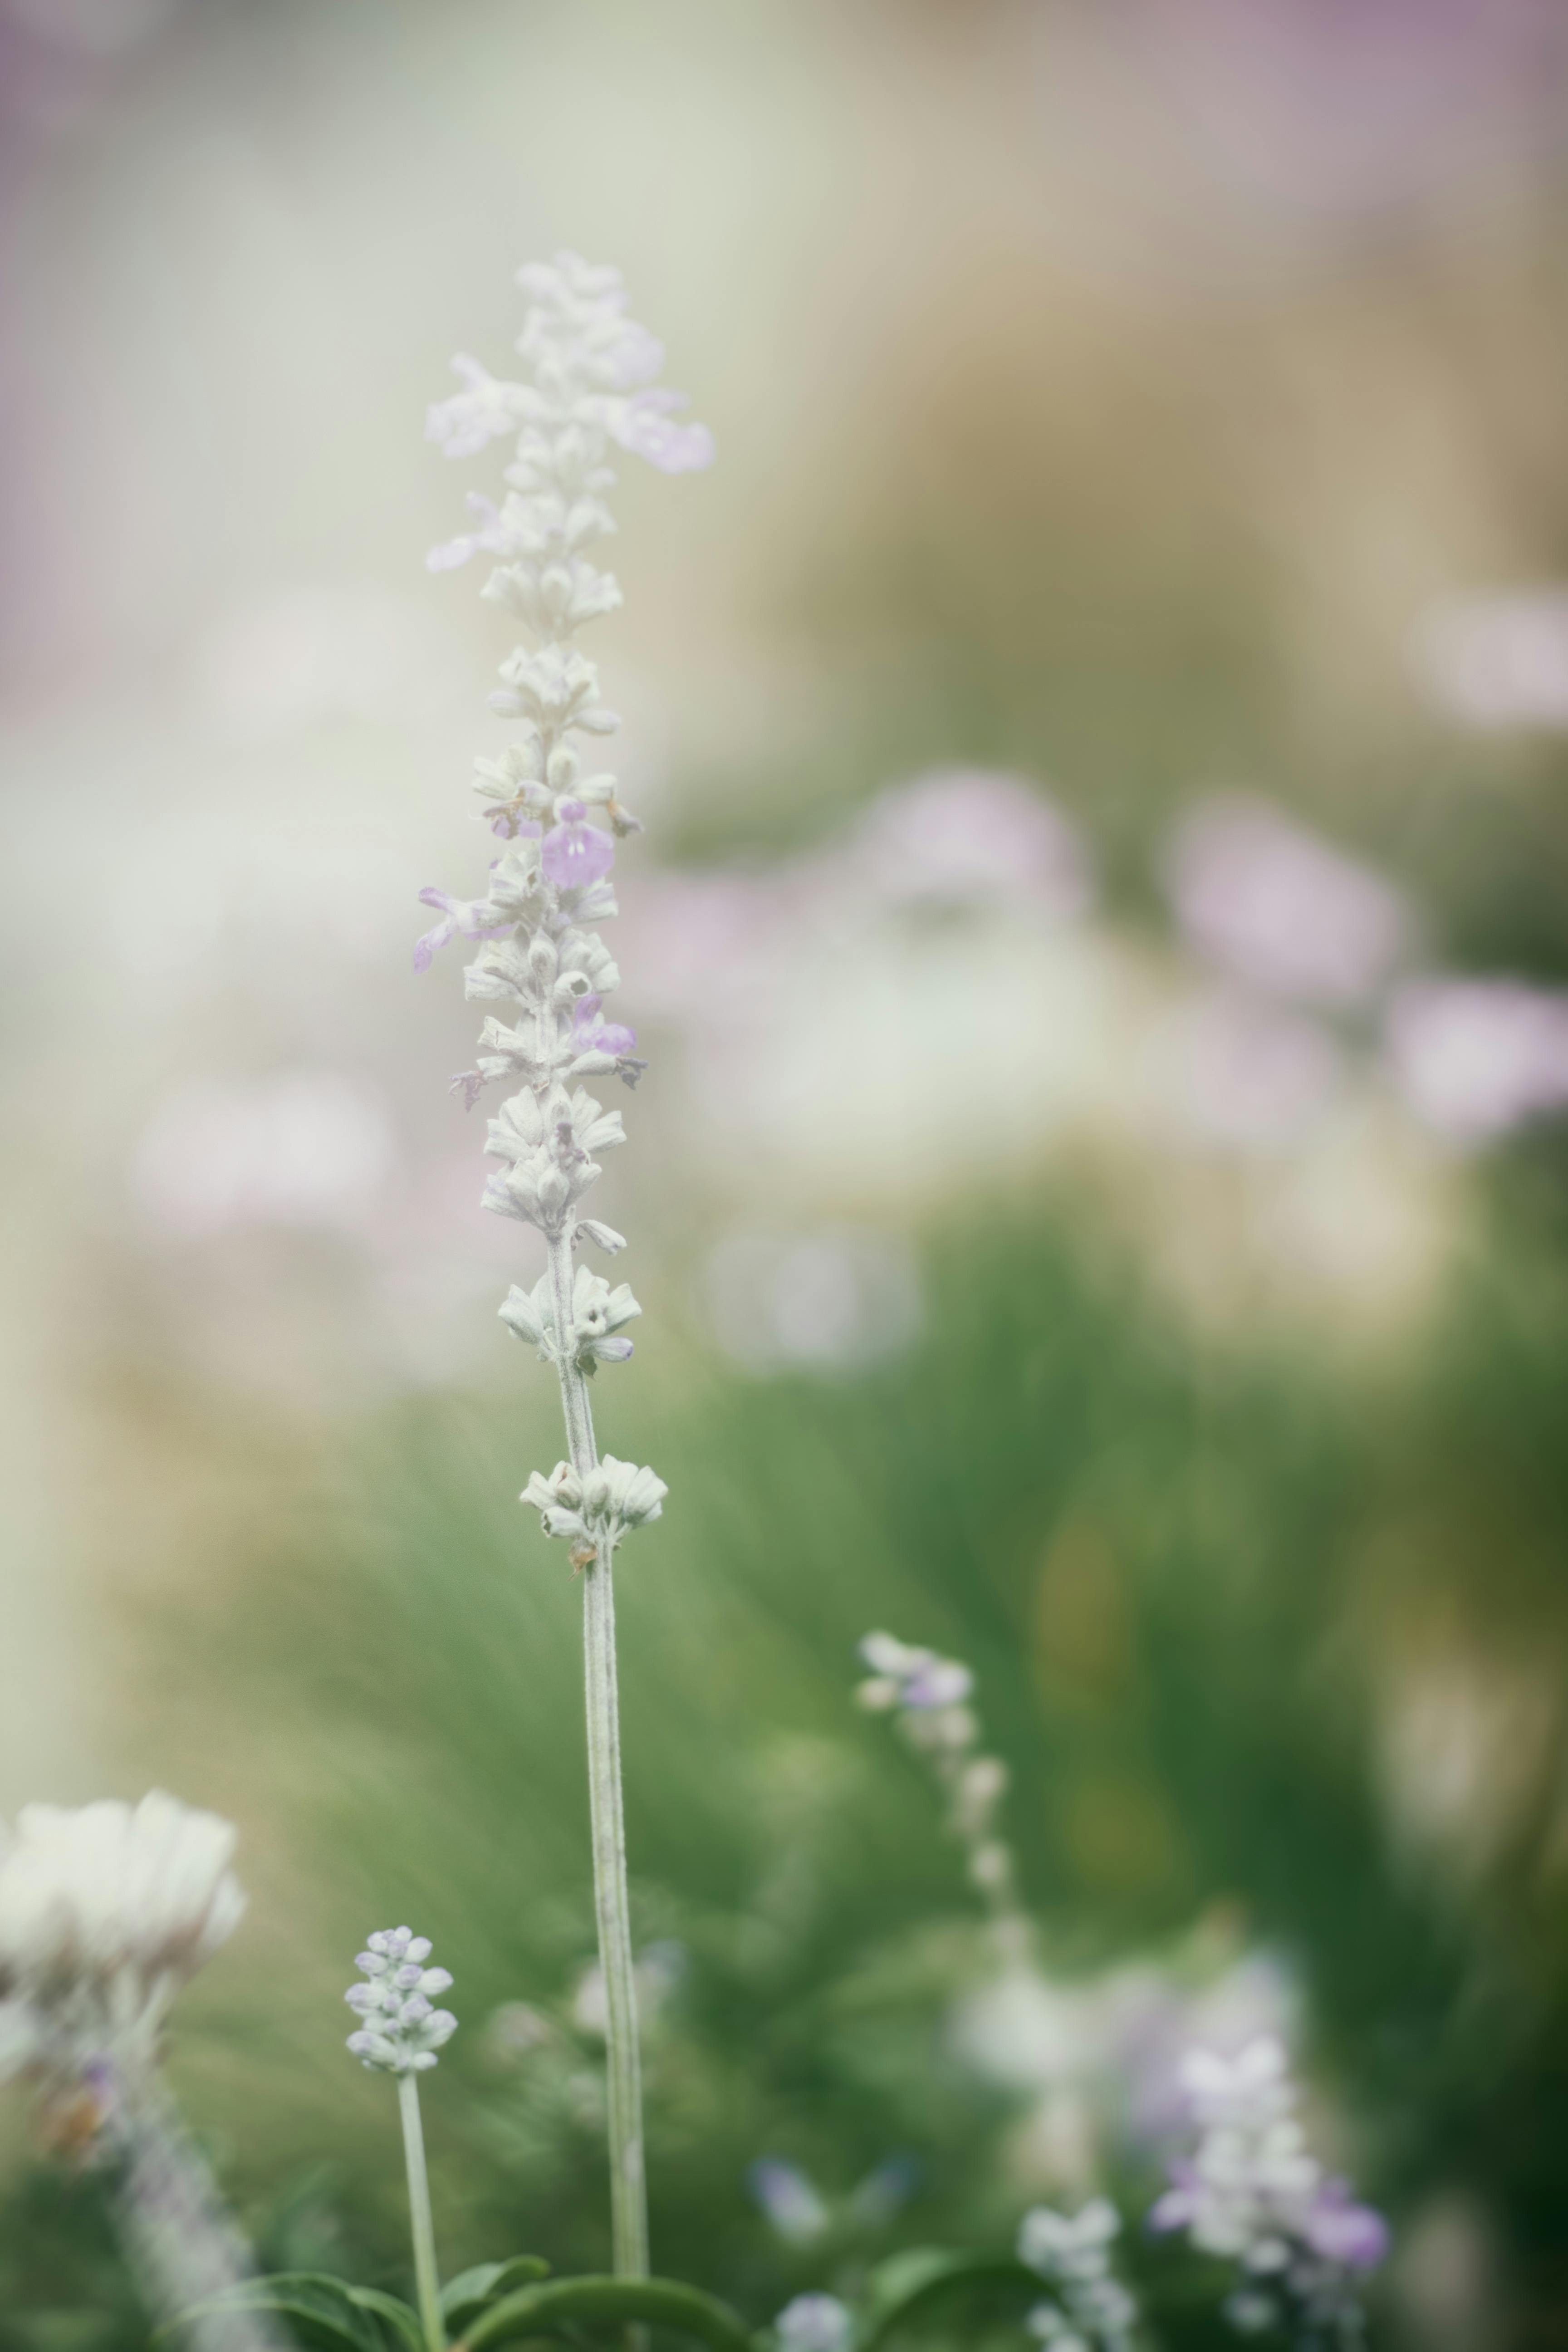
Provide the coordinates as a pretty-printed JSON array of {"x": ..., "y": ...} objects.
[
  {"x": 401, "y": 2031},
  {"x": 106, "y": 1910},
  {"x": 1254, "y": 2192},
  {"x": 475, "y": 918},
  {"x": 587, "y": 384},
  {"x": 1091, "y": 2310}
]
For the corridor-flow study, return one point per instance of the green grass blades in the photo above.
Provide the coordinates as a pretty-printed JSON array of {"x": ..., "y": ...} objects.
[
  {"x": 662, "y": 2303},
  {"x": 326, "y": 2314},
  {"x": 913, "y": 2285},
  {"x": 464, "y": 2298}
]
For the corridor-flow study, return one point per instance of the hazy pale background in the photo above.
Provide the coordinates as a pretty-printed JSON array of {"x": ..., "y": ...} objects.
[{"x": 1114, "y": 399}]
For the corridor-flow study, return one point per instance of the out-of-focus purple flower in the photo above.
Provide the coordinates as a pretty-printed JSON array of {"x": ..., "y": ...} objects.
[
  {"x": 1498, "y": 661},
  {"x": 911, "y": 1678},
  {"x": 1343, "y": 2230},
  {"x": 966, "y": 834},
  {"x": 1246, "y": 1071},
  {"x": 465, "y": 915},
  {"x": 1273, "y": 903},
  {"x": 1476, "y": 1057},
  {"x": 589, "y": 1033},
  {"x": 788, "y": 2200},
  {"x": 645, "y": 424},
  {"x": 574, "y": 852}
]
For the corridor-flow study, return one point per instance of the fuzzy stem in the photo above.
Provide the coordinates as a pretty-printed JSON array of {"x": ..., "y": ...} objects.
[
  {"x": 427, "y": 2278},
  {"x": 628, "y": 2191}
]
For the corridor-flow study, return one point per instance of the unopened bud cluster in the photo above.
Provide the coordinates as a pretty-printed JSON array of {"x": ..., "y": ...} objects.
[
  {"x": 593, "y": 1512},
  {"x": 401, "y": 2029},
  {"x": 587, "y": 380}
]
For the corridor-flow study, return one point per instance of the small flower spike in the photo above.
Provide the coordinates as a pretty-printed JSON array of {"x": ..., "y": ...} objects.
[{"x": 400, "y": 2030}]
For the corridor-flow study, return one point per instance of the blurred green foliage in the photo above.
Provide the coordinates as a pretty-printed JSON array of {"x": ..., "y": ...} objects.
[{"x": 1179, "y": 1568}]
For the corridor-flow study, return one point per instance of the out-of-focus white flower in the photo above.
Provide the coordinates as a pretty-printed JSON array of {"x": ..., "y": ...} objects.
[
  {"x": 400, "y": 2032},
  {"x": 815, "y": 2323},
  {"x": 1240, "y": 1070},
  {"x": 1280, "y": 907},
  {"x": 833, "y": 1300},
  {"x": 302, "y": 1147},
  {"x": 1073, "y": 2252},
  {"x": 967, "y": 836},
  {"x": 106, "y": 1910},
  {"x": 1475, "y": 1058},
  {"x": 658, "y": 1969},
  {"x": 1496, "y": 661}
]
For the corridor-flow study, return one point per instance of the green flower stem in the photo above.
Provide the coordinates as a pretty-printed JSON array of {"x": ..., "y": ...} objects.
[
  {"x": 427, "y": 2278},
  {"x": 628, "y": 2191}
]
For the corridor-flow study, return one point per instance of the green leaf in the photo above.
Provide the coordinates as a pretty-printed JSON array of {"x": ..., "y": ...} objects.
[
  {"x": 912, "y": 2284},
  {"x": 323, "y": 2312},
  {"x": 665, "y": 2303},
  {"x": 464, "y": 2297},
  {"x": 403, "y": 2321}
]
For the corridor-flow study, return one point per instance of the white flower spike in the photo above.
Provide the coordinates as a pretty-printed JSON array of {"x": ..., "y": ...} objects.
[{"x": 586, "y": 386}]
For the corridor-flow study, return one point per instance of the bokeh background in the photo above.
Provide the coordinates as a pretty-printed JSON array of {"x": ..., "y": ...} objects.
[{"x": 1099, "y": 1211}]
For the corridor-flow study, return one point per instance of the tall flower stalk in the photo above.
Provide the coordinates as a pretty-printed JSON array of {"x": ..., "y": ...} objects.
[{"x": 586, "y": 382}]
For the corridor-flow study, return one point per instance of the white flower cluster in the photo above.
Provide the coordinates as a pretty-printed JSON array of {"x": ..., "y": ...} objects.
[
  {"x": 106, "y": 1910},
  {"x": 588, "y": 381},
  {"x": 599, "y": 1314},
  {"x": 1253, "y": 2191},
  {"x": 400, "y": 2030},
  {"x": 1092, "y": 2312},
  {"x": 593, "y": 1512}
]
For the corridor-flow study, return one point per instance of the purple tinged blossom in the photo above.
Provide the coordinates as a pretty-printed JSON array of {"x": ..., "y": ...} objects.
[
  {"x": 465, "y": 915},
  {"x": 1277, "y": 907},
  {"x": 1343, "y": 2230},
  {"x": 644, "y": 422},
  {"x": 590, "y": 1034},
  {"x": 575, "y": 853}
]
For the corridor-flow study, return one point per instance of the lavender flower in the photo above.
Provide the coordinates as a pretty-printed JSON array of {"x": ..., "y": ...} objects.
[
  {"x": 401, "y": 2031},
  {"x": 1093, "y": 2311},
  {"x": 1277, "y": 907},
  {"x": 1253, "y": 2192},
  {"x": 1475, "y": 1058}
]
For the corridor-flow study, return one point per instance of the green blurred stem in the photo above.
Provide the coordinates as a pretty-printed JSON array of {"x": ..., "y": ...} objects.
[
  {"x": 628, "y": 2193},
  {"x": 427, "y": 2279}
]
